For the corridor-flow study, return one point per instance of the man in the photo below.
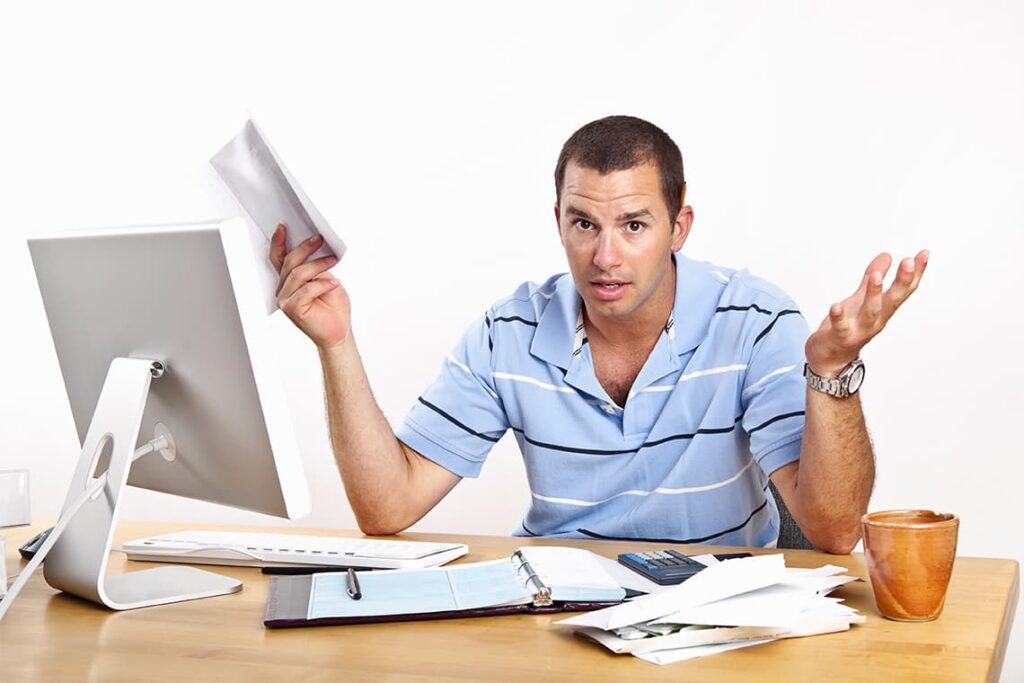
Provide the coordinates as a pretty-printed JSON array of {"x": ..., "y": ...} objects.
[{"x": 653, "y": 396}]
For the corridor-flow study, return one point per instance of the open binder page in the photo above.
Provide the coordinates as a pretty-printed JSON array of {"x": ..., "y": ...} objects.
[
  {"x": 572, "y": 574},
  {"x": 419, "y": 591}
]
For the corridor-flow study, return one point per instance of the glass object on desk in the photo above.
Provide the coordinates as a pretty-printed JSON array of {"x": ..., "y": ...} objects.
[{"x": 14, "y": 499}]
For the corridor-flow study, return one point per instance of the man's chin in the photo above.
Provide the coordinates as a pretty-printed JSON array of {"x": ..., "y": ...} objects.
[{"x": 608, "y": 309}]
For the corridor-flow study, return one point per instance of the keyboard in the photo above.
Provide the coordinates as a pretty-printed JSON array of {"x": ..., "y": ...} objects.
[{"x": 245, "y": 549}]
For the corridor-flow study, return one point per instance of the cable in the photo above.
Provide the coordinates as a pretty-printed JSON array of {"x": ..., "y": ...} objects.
[
  {"x": 69, "y": 513},
  {"x": 33, "y": 564}
]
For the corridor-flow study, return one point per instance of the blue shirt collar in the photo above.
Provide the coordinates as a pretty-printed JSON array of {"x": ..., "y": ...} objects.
[
  {"x": 697, "y": 295},
  {"x": 698, "y": 291}
]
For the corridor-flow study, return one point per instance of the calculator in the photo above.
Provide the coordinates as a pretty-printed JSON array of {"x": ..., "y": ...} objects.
[{"x": 663, "y": 567}]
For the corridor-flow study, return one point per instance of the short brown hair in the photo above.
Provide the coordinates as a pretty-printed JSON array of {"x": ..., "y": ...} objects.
[{"x": 617, "y": 143}]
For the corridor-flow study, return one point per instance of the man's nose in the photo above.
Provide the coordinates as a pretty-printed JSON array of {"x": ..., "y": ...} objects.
[{"x": 609, "y": 254}]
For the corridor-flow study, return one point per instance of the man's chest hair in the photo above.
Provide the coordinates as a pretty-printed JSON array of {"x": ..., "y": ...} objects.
[{"x": 616, "y": 372}]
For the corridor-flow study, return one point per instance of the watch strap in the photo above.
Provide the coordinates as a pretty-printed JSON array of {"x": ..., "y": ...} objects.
[{"x": 838, "y": 387}]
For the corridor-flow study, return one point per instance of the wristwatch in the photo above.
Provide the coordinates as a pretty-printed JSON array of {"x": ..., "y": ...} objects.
[{"x": 844, "y": 386}]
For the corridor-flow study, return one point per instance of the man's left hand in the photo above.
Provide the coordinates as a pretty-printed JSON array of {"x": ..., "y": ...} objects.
[{"x": 856, "y": 320}]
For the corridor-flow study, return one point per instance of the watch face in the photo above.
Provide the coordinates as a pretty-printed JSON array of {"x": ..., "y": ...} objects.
[{"x": 856, "y": 379}]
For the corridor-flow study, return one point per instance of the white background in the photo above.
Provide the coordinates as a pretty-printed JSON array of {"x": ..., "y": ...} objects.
[{"x": 814, "y": 136}]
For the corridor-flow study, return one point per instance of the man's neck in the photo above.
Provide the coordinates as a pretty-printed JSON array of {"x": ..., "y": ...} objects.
[{"x": 640, "y": 330}]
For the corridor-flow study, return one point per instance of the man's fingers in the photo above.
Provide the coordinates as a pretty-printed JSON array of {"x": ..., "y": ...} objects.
[
  {"x": 299, "y": 276},
  {"x": 871, "y": 309},
  {"x": 277, "y": 247},
  {"x": 902, "y": 286},
  {"x": 879, "y": 264},
  {"x": 908, "y": 277},
  {"x": 299, "y": 303},
  {"x": 299, "y": 254},
  {"x": 837, "y": 317},
  {"x": 920, "y": 264}
]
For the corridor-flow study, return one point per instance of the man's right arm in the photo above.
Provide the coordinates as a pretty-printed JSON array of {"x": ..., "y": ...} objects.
[{"x": 389, "y": 485}]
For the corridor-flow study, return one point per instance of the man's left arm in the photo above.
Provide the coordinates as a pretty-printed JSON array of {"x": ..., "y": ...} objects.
[{"x": 828, "y": 488}]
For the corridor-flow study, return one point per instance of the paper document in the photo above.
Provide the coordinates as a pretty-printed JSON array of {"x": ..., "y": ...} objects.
[
  {"x": 682, "y": 654},
  {"x": 777, "y": 605},
  {"x": 572, "y": 574},
  {"x": 714, "y": 583},
  {"x": 561, "y": 574},
  {"x": 733, "y": 603},
  {"x": 270, "y": 195},
  {"x": 419, "y": 591}
]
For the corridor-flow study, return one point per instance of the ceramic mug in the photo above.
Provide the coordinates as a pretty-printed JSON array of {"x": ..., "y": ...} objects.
[{"x": 910, "y": 557}]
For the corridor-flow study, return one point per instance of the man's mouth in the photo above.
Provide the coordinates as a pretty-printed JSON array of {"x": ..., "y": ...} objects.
[{"x": 608, "y": 290}]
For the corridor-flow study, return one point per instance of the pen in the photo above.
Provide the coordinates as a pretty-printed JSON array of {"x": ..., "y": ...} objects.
[
  {"x": 309, "y": 569},
  {"x": 353, "y": 585}
]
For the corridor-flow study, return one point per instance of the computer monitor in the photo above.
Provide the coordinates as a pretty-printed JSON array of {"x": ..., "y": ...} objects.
[{"x": 164, "y": 348}]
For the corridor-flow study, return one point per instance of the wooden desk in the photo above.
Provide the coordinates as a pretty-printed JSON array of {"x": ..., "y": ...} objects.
[{"x": 48, "y": 636}]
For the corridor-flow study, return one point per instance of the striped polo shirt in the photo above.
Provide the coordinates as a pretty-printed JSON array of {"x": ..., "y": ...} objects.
[{"x": 717, "y": 407}]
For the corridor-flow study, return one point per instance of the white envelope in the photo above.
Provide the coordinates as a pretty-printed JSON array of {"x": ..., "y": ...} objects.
[
  {"x": 810, "y": 623},
  {"x": 693, "y": 637},
  {"x": 270, "y": 195},
  {"x": 717, "y": 582},
  {"x": 682, "y": 654},
  {"x": 778, "y": 605}
]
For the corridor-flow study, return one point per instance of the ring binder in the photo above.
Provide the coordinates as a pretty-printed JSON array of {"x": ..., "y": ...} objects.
[
  {"x": 533, "y": 580},
  {"x": 543, "y": 596}
]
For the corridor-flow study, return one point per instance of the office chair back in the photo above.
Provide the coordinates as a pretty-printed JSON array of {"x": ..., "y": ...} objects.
[{"x": 790, "y": 536}]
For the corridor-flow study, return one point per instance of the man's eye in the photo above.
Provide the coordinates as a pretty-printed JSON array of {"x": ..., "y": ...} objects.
[
  {"x": 584, "y": 224},
  {"x": 634, "y": 226}
]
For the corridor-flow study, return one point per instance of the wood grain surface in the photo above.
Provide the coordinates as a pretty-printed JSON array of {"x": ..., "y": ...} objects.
[{"x": 49, "y": 636}]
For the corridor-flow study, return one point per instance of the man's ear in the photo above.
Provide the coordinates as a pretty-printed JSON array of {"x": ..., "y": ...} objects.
[
  {"x": 558, "y": 222},
  {"x": 683, "y": 222}
]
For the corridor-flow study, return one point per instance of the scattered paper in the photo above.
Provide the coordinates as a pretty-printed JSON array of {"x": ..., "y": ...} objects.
[
  {"x": 627, "y": 578},
  {"x": 682, "y": 654},
  {"x": 686, "y": 637},
  {"x": 719, "y": 581},
  {"x": 731, "y": 604}
]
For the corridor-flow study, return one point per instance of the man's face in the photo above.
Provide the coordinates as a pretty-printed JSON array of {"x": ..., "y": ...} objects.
[{"x": 618, "y": 237}]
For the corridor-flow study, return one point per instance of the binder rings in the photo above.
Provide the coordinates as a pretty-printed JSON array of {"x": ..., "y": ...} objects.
[{"x": 533, "y": 580}]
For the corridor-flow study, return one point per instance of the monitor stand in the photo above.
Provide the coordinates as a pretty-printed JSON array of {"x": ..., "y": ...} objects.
[{"x": 77, "y": 560}]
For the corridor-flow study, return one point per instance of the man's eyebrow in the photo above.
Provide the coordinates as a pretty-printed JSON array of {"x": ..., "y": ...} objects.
[
  {"x": 575, "y": 211},
  {"x": 622, "y": 218},
  {"x": 631, "y": 215}
]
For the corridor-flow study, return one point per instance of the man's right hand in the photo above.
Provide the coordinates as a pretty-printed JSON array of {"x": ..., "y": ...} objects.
[{"x": 306, "y": 292}]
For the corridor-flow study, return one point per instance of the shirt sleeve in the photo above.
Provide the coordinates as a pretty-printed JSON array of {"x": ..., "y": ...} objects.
[
  {"x": 775, "y": 391},
  {"x": 460, "y": 417}
]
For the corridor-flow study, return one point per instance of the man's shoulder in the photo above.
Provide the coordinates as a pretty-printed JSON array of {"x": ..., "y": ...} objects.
[
  {"x": 530, "y": 299},
  {"x": 741, "y": 288}
]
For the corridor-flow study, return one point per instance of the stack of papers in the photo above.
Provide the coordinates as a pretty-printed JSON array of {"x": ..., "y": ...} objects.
[{"x": 731, "y": 604}]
